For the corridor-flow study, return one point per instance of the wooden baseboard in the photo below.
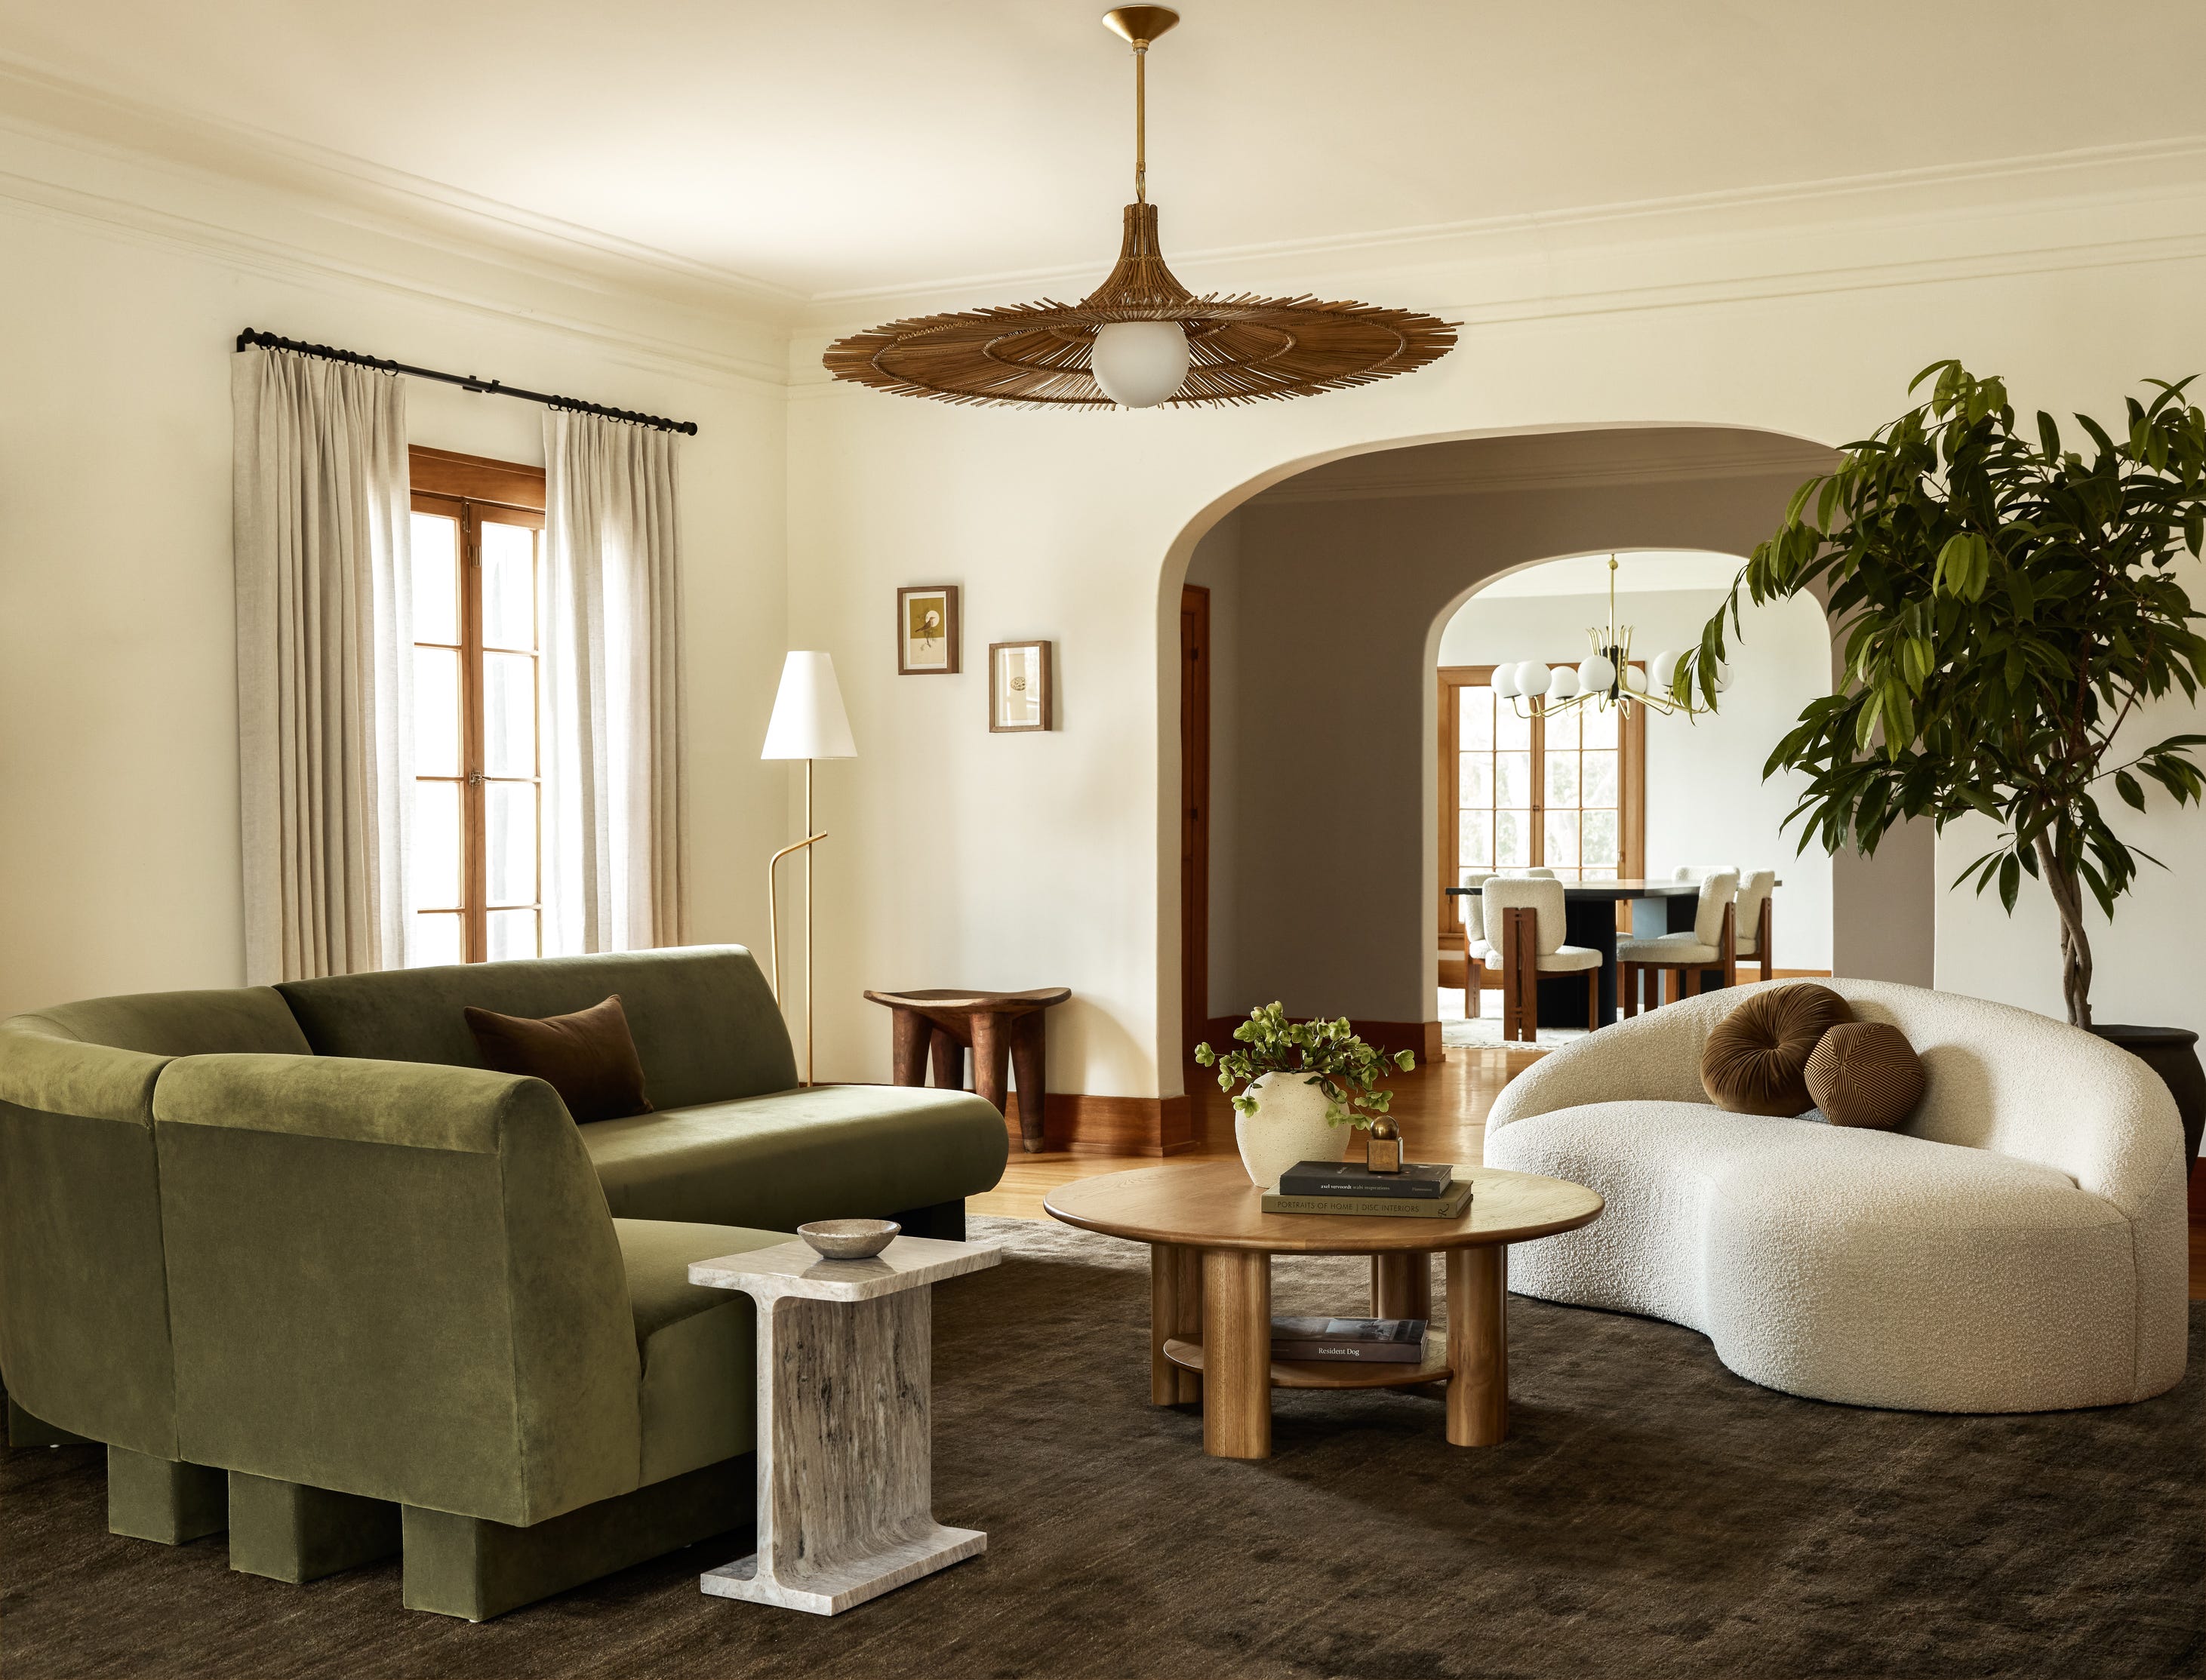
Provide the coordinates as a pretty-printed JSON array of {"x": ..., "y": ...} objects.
[{"x": 1084, "y": 1125}]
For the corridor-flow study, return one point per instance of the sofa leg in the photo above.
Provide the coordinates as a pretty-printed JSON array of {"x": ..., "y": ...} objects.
[
  {"x": 159, "y": 1499},
  {"x": 943, "y": 1220},
  {"x": 471, "y": 1567},
  {"x": 287, "y": 1531}
]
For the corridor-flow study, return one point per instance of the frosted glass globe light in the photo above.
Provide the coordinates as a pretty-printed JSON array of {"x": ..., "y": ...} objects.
[
  {"x": 1531, "y": 678},
  {"x": 1505, "y": 683},
  {"x": 1596, "y": 674},
  {"x": 1562, "y": 684},
  {"x": 1140, "y": 364},
  {"x": 1635, "y": 679},
  {"x": 1661, "y": 673}
]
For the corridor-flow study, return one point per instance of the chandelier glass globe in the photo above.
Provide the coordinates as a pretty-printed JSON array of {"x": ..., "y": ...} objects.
[{"x": 1140, "y": 364}]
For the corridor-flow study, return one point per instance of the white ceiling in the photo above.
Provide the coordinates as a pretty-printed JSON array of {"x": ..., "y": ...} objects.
[{"x": 851, "y": 145}]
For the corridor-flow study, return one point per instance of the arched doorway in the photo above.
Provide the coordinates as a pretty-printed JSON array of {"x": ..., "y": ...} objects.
[{"x": 1330, "y": 589}]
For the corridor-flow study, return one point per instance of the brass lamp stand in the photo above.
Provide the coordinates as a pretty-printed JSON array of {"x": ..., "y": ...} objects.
[{"x": 809, "y": 722}]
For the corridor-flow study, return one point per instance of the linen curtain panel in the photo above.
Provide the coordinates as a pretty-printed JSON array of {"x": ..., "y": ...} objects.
[
  {"x": 320, "y": 516},
  {"x": 616, "y": 828}
]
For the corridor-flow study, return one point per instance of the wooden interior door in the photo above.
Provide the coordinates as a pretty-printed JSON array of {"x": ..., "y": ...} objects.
[{"x": 1193, "y": 816}]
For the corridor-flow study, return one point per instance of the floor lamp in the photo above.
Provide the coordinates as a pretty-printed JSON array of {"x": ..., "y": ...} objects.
[{"x": 809, "y": 722}]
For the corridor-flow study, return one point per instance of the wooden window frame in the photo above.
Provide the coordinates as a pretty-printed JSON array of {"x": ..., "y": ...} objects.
[
  {"x": 466, "y": 488},
  {"x": 1632, "y": 792}
]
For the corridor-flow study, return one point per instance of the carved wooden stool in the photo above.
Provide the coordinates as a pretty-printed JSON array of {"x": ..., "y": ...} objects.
[{"x": 1004, "y": 1031}]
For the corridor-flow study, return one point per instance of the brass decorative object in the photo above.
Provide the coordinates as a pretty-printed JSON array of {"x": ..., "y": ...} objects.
[
  {"x": 1239, "y": 348},
  {"x": 1382, "y": 1146}
]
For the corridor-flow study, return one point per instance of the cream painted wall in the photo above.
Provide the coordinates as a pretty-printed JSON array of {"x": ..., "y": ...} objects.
[
  {"x": 1003, "y": 861},
  {"x": 118, "y": 756},
  {"x": 957, "y": 855},
  {"x": 1706, "y": 800}
]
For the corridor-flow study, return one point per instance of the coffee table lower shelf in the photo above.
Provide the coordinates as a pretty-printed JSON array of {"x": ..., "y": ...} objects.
[{"x": 1333, "y": 1374}]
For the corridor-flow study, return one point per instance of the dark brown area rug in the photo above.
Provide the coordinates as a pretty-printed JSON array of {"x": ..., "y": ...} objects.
[{"x": 1650, "y": 1514}]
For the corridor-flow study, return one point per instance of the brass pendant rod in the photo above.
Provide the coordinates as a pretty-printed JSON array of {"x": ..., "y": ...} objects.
[{"x": 1140, "y": 122}]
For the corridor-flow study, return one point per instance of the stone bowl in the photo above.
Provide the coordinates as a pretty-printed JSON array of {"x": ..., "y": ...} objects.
[{"x": 849, "y": 1239}]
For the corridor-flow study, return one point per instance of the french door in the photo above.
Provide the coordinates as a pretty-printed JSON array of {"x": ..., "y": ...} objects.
[
  {"x": 1520, "y": 789},
  {"x": 475, "y": 863}
]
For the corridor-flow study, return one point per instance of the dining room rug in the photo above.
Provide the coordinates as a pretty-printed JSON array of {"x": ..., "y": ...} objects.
[{"x": 1650, "y": 1514}]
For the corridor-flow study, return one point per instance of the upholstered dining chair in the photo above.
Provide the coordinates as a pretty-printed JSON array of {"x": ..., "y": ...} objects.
[
  {"x": 1753, "y": 918},
  {"x": 1527, "y": 915},
  {"x": 1713, "y": 943},
  {"x": 1478, "y": 952}
]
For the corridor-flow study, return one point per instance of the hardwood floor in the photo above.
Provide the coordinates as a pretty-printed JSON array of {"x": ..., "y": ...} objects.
[{"x": 1441, "y": 1108}]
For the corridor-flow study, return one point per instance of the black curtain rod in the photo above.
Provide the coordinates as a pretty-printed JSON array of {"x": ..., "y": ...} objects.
[{"x": 269, "y": 341}]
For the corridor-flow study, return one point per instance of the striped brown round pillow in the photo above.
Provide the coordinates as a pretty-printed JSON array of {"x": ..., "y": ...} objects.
[
  {"x": 1752, "y": 1061},
  {"x": 1865, "y": 1074}
]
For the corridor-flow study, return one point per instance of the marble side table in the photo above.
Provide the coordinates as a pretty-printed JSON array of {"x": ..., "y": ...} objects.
[{"x": 845, "y": 1498}]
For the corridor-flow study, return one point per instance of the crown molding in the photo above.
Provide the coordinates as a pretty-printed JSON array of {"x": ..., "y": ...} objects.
[
  {"x": 32, "y": 98},
  {"x": 291, "y": 232},
  {"x": 2136, "y": 175}
]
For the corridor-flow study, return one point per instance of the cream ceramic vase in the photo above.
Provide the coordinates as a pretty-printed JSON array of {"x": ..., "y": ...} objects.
[{"x": 1289, "y": 1125}]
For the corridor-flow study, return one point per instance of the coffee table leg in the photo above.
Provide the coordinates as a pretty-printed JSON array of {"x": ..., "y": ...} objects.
[
  {"x": 1478, "y": 1346},
  {"x": 1175, "y": 1310},
  {"x": 1237, "y": 1354},
  {"x": 1402, "y": 1286}
]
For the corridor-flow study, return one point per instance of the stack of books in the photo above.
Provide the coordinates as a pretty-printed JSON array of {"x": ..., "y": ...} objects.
[
  {"x": 1371, "y": 1341},
  {"x": 1427, "y": 1191}
]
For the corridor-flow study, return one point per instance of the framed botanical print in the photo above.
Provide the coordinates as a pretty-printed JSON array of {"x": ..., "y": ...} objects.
[
  {"x": 927, "y": 630},
  {"x": 1019, "y": 695}
]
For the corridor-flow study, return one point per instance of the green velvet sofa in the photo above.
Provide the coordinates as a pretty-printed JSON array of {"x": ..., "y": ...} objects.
[{"x": 313, "y": 1274}]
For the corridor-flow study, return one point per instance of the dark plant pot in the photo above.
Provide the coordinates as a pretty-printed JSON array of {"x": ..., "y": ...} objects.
[{"x": 2172, "y": 1052}]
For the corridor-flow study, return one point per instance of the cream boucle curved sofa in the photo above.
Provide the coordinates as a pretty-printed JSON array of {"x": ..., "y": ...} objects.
[{"x": 2019, "y": 1247}]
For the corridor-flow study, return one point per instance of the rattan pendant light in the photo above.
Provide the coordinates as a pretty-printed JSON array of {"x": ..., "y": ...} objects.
[{"x": 1151, "y": 340}]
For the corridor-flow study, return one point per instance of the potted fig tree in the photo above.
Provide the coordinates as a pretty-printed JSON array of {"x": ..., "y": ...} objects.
[
  {"x": 2008, "y": 602},
  {"x": 1299, "y": 1079}
]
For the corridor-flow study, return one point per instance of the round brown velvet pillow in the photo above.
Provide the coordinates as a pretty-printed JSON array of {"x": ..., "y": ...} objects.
[
  {"x": 1865, "y": 1074},
  {"x": 1753, "y": 1060}
]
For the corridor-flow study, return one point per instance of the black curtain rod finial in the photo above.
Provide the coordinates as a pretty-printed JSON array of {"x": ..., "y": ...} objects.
[{"x": 253, "y": 336}]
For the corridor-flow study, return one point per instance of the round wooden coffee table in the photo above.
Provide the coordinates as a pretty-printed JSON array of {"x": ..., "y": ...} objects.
[{"x": 1210, "y": 1287}]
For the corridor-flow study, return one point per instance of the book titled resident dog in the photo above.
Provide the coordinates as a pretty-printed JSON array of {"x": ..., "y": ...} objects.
[
  {"x": 1389, "y": 1341},
  {"x": 1353, "y": 1178}
]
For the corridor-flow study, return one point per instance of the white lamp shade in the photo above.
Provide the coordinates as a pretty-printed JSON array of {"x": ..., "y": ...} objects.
[
  {"x": 1562, "y": 684},
  {"x": 1504, "y": 682},
  {"x": 808, "y": 719},
  {"x": 1596, "y": 675},
  {"x": 1140, "y": 363}
]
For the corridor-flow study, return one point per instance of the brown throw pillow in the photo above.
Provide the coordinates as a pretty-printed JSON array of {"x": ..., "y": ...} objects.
[
  {"x": 1865, "y": 1074},
  {"x": 1753, "y": 1062},
  {"x": 587, "y": 1058}
]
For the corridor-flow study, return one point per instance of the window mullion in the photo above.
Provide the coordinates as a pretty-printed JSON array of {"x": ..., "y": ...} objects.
[{"x": 471, "y": 664}]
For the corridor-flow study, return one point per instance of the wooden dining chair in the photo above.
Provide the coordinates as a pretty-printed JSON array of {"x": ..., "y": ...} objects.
[
  {"x": 1711, "y": 944},
  {"x": 1532, "y": 918},
  {"x": 1755, "y": 894}
]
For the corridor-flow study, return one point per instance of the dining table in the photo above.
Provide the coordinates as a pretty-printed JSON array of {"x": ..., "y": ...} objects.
[{"x": 1589, "y": 919}]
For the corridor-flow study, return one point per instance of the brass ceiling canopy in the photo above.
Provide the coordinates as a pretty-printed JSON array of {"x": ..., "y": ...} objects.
[{"x": 1238, "y": 348}]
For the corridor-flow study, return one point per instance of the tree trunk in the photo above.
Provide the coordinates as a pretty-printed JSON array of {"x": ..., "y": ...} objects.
[{"x": 2075, "y": 944}]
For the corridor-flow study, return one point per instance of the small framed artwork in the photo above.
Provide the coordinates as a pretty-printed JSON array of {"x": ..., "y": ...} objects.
[
  {"x": 1019, "y": 695},
  {"x": 927, "y": 630}
]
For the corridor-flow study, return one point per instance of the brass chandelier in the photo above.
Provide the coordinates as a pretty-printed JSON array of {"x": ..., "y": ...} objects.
[
  {"x": 1141, "y": 338},
  {"x": 1607, "y": 677}
]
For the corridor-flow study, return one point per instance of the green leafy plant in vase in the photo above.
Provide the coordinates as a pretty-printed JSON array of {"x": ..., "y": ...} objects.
[{"x": 1299, "y": 1079}]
